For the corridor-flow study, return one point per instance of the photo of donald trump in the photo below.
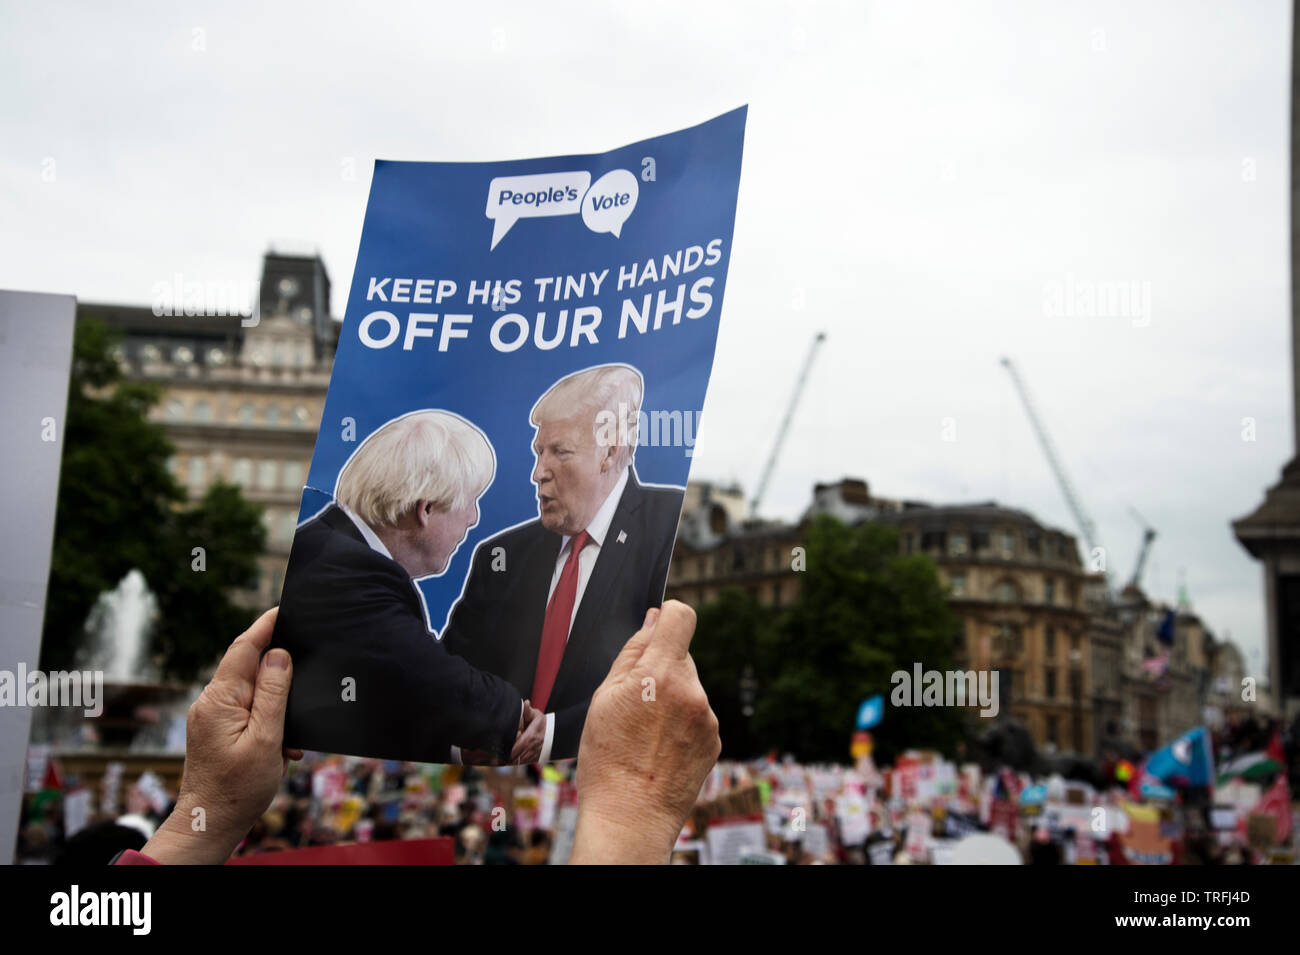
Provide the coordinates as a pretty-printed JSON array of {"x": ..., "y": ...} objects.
[
  {"x": 370, "y": 679},
  {"x": 548, "y": 604}
]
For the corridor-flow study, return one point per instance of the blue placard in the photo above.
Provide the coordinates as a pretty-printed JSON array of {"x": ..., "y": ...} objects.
[{"x": 492, "y": 303}]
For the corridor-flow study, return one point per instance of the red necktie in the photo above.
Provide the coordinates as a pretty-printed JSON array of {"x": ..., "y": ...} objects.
[{"x": 555, "y": 628}]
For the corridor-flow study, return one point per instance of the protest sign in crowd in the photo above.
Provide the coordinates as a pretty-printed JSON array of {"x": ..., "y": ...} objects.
[{"x": 1171, "y": 808}]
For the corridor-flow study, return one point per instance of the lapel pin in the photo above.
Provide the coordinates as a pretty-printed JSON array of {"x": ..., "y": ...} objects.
[{"x": 622, "y": 536}]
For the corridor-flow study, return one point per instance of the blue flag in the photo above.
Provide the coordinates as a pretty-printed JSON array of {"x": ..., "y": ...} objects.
[
  {"x": 1165, "y": 632},
  {"x": 871, "y": 712},
  {"x": 1187, "y": 761}
]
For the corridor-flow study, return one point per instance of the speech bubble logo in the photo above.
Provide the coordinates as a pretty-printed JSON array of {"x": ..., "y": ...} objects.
[
  {"x": 610, "y": 201},
  {"x": 511, "y": 198}
]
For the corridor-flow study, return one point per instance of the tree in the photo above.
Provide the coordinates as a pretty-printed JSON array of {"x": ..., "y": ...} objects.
[
  {"x": 215, "y": 546},
  {"x": 725, "y": 650},
  {"x": 119, "y": 508},
  {"x": 864, "y": 612}
]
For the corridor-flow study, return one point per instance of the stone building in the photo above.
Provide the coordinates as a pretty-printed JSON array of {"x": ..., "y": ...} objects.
[
  {"x": 242, "y": 393},
  {"x": 1019, "y": 589},
  {"x": 1085, "y": 670}
]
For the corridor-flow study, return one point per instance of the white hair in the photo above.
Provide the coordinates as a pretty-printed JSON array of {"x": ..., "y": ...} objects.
[
  {"x": 610, "y": 394},
  {"x": 433, "y": 456}
]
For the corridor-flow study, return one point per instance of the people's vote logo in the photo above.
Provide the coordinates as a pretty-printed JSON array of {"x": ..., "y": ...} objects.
[{"x": 605, "y": 204}]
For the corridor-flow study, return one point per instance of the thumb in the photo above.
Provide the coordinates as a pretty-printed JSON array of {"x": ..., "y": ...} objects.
[
  {"x": 634, "y": 647},
  {"x": 271, "y": 696}
]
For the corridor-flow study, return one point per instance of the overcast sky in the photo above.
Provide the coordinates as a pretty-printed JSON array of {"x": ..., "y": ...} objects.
[{"x": 922, "y": 181}]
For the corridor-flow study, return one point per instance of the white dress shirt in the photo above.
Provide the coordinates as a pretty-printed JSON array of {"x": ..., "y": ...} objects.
[
  {"x": 367, "y": 532},
  {"x": 377, "y": 545},
  {"x": 597, "y": 530}
]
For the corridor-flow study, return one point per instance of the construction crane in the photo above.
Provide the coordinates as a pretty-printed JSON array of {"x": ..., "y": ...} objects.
[
  {"x": 785, "y": 424},
  {"x": 1148, "y": 535},
  {"x": 1086, "y": 526}
]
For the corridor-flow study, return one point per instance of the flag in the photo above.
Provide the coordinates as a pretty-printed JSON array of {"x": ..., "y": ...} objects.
[
  {"x": 1276, "y": 802},
  {"x": 871, "y": 712},
  {"x": 1165, "y": 632},
  {"x": 1156, "y": 666},
  {"x": 1275, "y": 749},
  {"x": 1251, "y": 767},
  {"x": 1187, "y": 761}
]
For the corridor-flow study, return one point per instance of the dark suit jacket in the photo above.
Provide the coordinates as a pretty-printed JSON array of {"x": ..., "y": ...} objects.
[
  {"x": 349, "y": 611},
  {"x": 496, "y": 625}
]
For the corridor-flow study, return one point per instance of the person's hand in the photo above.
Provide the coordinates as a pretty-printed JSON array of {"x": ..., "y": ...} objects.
[
  {"x": 481, "y": 757},
  {"x": 234, "y": 755},
  {"x": 528, "y": 745},
  {"x": 650, "y": 739}
]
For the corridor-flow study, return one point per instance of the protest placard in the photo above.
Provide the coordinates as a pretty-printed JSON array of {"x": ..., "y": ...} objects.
[{"x": 510, "y": 424}]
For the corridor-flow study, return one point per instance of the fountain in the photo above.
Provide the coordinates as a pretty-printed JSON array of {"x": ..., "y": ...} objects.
[
  {"x": 142, "y": 725},
  {"x": 141, "y": 712},
  {"x": 119, "y": 625}
]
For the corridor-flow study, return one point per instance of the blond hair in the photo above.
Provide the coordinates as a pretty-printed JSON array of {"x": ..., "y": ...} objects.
[
  {"x": 433, "y": 456},
  {"x": 604, "y": 391}
]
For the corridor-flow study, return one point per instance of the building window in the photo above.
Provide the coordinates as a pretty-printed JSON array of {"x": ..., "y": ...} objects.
[
  {"x": 1008, "y": 544},
  {"x": 1051, "y": 730},
  {"x": 979, "y": 541},
  {"x": 909, "y": 542},
  {"x": 1049, "y": 642},
  {"x": 183, "y": 355},
  {"x": 288, "y": 524},
  {"x": 202, "y": 412},
  {"x": 933, "y": 540},
  {"x": 1049, "y": 591},
  {"x": 1033, "y": 542},
  {"x": 241, "y": 472},
  {"x": 959, "y": 585},
  {"x": 272, "y": 414},
  {"x": 175, "y": 410},
  {"x": 1049, "y": 683},
  {"x": 957, "y": 545},
  {"x": 266, "y": 474},
  {"x": 292, "y": 475},
  {"x": 246, "y": 413},
  {"x": 1007, "y": 592},
  {"x": 197, "y": 471},
  {"x": 301, "y": 416}
]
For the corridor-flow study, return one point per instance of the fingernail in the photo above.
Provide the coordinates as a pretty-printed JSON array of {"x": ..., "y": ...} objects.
[
  {"x": 278, "y": 659},
  {"x": 652, "y": 617}
]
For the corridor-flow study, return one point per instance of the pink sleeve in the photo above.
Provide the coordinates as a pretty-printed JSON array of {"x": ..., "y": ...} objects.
[{"x": 131, "y": 857}]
